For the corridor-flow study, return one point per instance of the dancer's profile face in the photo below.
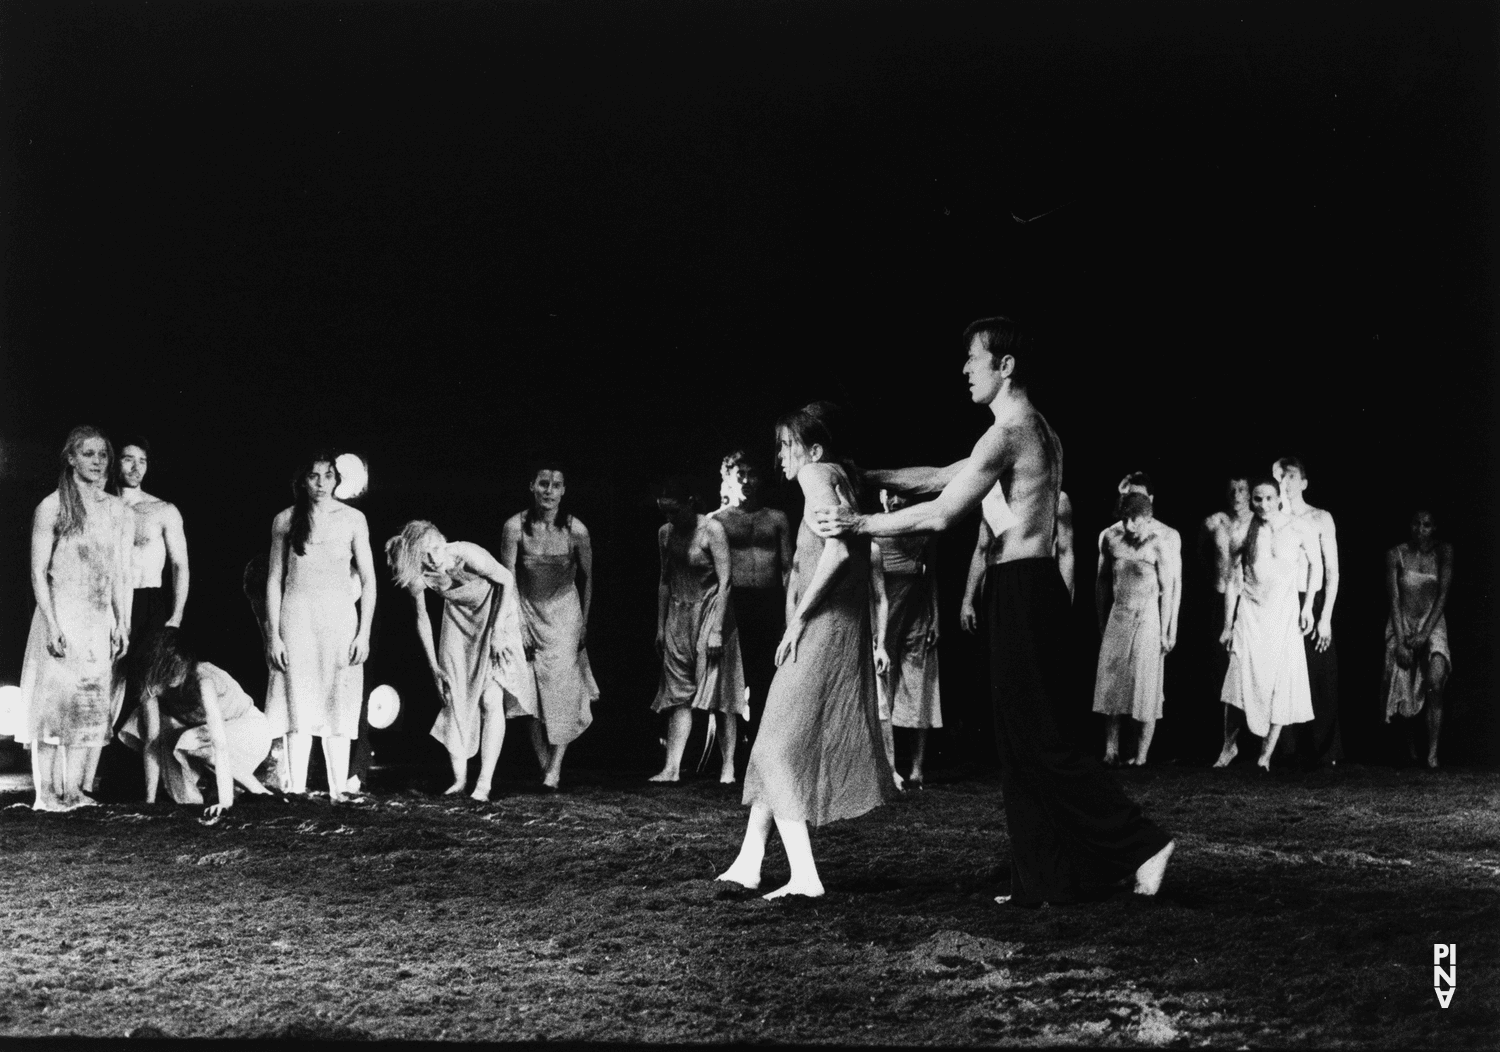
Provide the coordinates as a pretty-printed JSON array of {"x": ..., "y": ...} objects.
[
  {"x": 1423, "y": 528},
  {"x": 791, "y": 452},
  {"x": 1293, "y": 481},
  {"x": 1265, "y": 500},
  {"x": 133, "y": 466},
  {"x": 1239, "y": 496},
  {"x": 320, "y": 481},
  {"x": 983, "y": 373},
  {"x": 90, "y": 459},
  {"x": 547, "y": 488}
]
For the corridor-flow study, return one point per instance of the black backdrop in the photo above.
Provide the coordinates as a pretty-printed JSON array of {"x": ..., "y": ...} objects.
[{"x": 454, "y": 236}]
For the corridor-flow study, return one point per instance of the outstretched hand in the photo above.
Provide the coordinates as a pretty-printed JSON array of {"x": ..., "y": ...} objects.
[{"x": 835, "y": 520}]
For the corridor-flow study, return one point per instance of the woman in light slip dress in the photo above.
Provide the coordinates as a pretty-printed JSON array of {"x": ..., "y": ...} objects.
[
  {"x": 1267, "y": 678},
  {"x": 318, "y": 624},
  {"x": 478, "y": 663},
  {"x": 909, "y": 566},
  {"x": 72, "y": 676},
  {"x": 547, "y": 550},
  {"x": 818, "y": 757},
  {"x": 1418, "y": 575}
]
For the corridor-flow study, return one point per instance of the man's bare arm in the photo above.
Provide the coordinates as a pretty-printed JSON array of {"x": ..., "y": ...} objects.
[
  {"x": 916, "y": 481},
  {"x": 1063, "y": 541},
  {"x": 976, "y": 476},
  {"x": 176, "y": 541}
]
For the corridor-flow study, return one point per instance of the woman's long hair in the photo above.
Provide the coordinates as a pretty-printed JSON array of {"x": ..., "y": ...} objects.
[
  {"x": 1253, "y": 533},
  {"x": 302, "y": 500},
  {"x": 71, "y": 515},
  {"x": 823, "y": 423},
  {"x": 403, "y": 552},
  {"x": 564, "y": 519},
  {"x": 166, "y": 657}
]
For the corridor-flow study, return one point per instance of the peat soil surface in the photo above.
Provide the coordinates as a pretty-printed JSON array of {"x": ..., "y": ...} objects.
[{"x": 1300, "y": 909}]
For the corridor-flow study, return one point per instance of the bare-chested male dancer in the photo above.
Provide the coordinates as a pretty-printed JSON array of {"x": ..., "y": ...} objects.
[
  {"x": 159, "y": 539},
  {"x": 760, "y": 560},
  {"x": 1072, "y": 828},
  {"x": 1318, "y": 742},
  {"x": 1062, "y": 551}
]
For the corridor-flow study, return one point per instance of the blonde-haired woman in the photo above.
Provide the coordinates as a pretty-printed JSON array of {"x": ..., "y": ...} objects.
[
  {"x": 478, "y": 663},
  {"x": 72, "y": 679}
]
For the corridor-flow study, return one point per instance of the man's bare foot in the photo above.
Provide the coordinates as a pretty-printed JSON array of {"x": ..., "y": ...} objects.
[
  {"x": 900, "y": 782},
  {"x": 1432, "y": 760},
  {"x": 1148, "y": 876},
  {"x": 1227, "y": 756},
  {"x": 454, "y": 789},
  {"x": 552, "y": 780},
  {"x": 726, "y": 777},
  {"x": 1264, "y": 763},
  {"x": 811, "y": 889},
  {"x": 1002, "y": 899},
  {"x": 742, "y": 872},
  {"x": 663, "y": 776}
]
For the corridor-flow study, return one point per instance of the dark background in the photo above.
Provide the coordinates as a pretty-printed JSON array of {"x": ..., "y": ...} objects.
[{"x": 453, "y": 237}]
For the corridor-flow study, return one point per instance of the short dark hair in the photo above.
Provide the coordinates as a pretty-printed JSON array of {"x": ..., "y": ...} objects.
[
  {"x": 682, "y": 489},
  {"x": 1138, "y": 478},
  {"x": 739, "y": 458},
  {"x": 139, "y": 441},
  {"x": 1135, "y": 506},
  {"x": 1001, "y": 336},
  {"x": 1293, "y": 462}
]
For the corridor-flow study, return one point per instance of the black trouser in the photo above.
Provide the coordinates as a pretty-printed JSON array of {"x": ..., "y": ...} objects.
[
  {"x": 1318, "y": 742},
  {"x": 1071, "y": 826},
  {"x": 760, "y": 615}
]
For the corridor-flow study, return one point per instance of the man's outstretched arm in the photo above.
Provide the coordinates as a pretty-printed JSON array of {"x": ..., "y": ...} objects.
[
  {"x": 975, "y": 477},
  {"x": 915, "y": 481}
]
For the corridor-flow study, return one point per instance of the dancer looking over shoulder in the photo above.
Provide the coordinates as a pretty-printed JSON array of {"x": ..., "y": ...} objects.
[
  {"x": 548, "y": 550},
  {"x": 695, "y": 631},
  {"x": 1072, "y": 829},
  {"x": 478, "y": 664},
  {"x": 819, "y": 756}
]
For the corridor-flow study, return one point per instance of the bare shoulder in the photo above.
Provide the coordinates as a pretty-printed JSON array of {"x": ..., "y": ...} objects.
[
  {"x": 577, "y": 529},
  {"x": 49, "y": 505},
  {"x": 1320, "y": 520},
  {"x": 1445, "y": 549},
  {"x": 1393, "y": 555},
  {"x": 354, "y": 517},
  {"x": 1169, "y": 537},
  {"x": 512, "y": 525},
  {"x": 466, "y": 550},
  {"x": 1111, "y": 535},
  {"x": 283, "y": 521},
  {"x": 713, "y": 529},
  {"x": 818, "y": 480},
  {"x": 662, "y": 532}
]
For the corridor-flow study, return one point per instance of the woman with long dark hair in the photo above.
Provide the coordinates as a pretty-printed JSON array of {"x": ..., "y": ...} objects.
[
  {"x": 1418, "y": 575},
  {"x": 72, "y": 677},
  {"x": 818, "y": 756},
  {"x": 318, "y": 621},
  {"x": 548, "y": 550},
  {"x": 1267, "y": 679},
  {"x": 478, "y": 664},
  {"x": 194, "y": 715}
]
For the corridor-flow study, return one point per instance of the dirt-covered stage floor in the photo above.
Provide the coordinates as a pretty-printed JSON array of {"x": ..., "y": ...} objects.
[{"x": 1299, "y": 910}]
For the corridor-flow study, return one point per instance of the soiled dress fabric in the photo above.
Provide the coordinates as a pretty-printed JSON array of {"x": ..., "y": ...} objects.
[
  {"x": 473, "y": 617},
  {"x": 1073, "y": 831},
  {"x": 553, "y": 612},
  {"x": 819, "y": 757},
  {"x": 184, "y": 731},
  {"x": 322, "y": 692},
  {"x": 1267, "y": 676},
  {"x": 912, "y": 683},
  {"x": 1406, "y": 688},
  {"x": 688, "y": 675},
  {"x": 1128, "y": 680},
  {"x": 72, "y": 701}
]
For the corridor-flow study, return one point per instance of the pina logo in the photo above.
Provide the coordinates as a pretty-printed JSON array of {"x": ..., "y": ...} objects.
[{"x": 1444, "y": 976}]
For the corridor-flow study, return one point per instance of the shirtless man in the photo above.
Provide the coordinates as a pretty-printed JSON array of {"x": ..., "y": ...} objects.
[
  {"x": 1317, "y": 742},
  {"x": 158, "y": 540},
  {"x": 1220, "y": 539},
  {"x": 1062, "y": 550},
  {"x": 1171, "y": 540},
  {"x": 1070, "y": 824},
  {"x": 760, "y": 561}
]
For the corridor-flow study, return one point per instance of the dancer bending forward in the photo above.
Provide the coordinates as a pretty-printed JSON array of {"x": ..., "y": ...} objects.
[
  {"x": 818, "y": 757},
  {"x": 477, "y": 664},
  {"x": 1267, "y": 678}
]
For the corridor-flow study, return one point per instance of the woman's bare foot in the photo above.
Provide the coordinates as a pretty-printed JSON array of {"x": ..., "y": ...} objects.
[
  {"x": 454, "y": 789},
  {"x": 726, "y": 776},
  {"x": 1111, "y": 759},
  {"x": 1432, "y": 760},
  {"x": 809, "y": 888},
  {"x": 481, "y": 793},
  {"x": 1227, "y": 756},
  {"x": 1148, "y": 876},
  {"x": 1264, "y": 763},
  {"x": 900, "y": 782},
  {"x": 664, "y": 775},
  {"x": 745, "y": 872},
  {"x": 552, "y": 780}
]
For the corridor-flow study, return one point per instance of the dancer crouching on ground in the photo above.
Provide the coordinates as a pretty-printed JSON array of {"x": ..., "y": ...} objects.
[
  {"x": 818, "y": 757},
  {"x": 478, "y": 663},
  {"x": 1071, "y": 826},
  {"x": 193, "y": 714},
  {"x": 1267, "y": 678},
  {"x": 695, "y": 631},
  {"x": 319, "y": 625},
  {"x": 546, "y": 550}
]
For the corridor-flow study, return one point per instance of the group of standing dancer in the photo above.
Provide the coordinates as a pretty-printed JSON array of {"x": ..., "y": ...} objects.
[{"x": 820, "y": 643}]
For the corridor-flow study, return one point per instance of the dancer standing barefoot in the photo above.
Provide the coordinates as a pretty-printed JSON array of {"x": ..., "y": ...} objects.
[
  {"x": 546, "y": 551},
  {"x": 319, "y": 626},
  {"x": 1418, "y": 575},
  {"x": 72, "y": 679},
  {"x": 695, "y": 631},
  {"x": 818, "y": 757},
  {"x": 1267, "y": 677},
  {"x": 477, "y": 664},
  {"x": 1071, "y": 826}
]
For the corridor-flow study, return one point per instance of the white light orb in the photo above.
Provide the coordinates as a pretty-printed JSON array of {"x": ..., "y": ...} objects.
[
  {"x": 354, "y": 476},
  {"x": 385, "y": 706},
  {"x": 10, "y": 711}
]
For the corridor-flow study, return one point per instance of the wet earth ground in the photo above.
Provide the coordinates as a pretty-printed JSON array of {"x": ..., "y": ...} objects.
[{"x": 1299, "y": 910}]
